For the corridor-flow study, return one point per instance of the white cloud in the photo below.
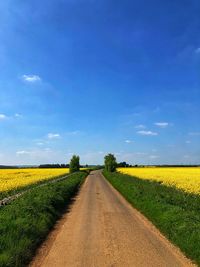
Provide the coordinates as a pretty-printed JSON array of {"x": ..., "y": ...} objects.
[
  {"x": 147, "y": 133},
  {"x": 162, "y": 124},
  {"x": 53, "y": 136},
  {"x": 128, "y": 141},
  {"x": 17, "y": 115},
  {"x": 140, "y": 126},
  {"x": 23, "y": 152},
  {"x": 197, "y": 50},
  {"x": 3, "y": 117},
  {"x": 31, "y": 78}
]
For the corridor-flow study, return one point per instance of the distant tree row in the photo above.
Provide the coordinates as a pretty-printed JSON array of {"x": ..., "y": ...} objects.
[
  {"x": 124, "y": 165},
  {"x": 54, "y": 166},
  {"x": 110, "y": 164},
  {"x": 8, "y": 167},
  {"x": 74, "y": 165}
]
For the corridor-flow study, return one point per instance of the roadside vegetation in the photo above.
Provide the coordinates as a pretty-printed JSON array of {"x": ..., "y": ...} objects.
[
  {"x": 175, "y": 212},
  {"x": 27, "y": 221}
]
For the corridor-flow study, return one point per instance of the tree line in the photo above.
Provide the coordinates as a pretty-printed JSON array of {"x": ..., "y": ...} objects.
[{"x": 110, "y": 164}]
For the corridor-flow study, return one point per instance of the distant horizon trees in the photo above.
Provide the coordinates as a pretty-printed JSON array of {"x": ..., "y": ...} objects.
[
  {"x": 54, "y": 166},
  {"x": 124, "y": 165}
]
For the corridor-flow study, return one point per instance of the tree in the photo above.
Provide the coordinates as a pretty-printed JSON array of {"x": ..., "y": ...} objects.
[
  {"x": 110, "y": 163},
  {"x": 74, "y": 164},
  {"x": 122, "y": 164}
]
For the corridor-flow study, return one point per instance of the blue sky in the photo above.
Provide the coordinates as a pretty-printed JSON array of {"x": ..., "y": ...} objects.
[{"x": 92, "y": 77}]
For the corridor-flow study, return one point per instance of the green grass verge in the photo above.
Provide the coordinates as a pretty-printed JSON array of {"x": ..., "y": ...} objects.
[
  {"x": 26, "y": 221},
  {"x": 174, "y": 212}
]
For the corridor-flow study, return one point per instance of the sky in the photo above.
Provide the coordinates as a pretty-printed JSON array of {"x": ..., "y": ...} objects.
[{"x": 95, "y": 77}]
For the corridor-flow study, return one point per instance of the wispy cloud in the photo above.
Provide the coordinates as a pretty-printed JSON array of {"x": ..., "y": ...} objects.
[
  {"x": 194, "y": 133},
  {"x": 162, "y": 124},
  {"x": 17, "y": 115},
  {"x": 31, "y": 78},
  {"x": 40, "y": 143},
  {"x": 150, "y": 133},
  {"x": 140, "y": 126},
  {"x": 53, "y": 135},
  {"x": 128, "y": 141},
  {"x": 34, "y": 152},
  {"x": 188, "y": 142},
  {"x": 140, "y": 153},
  {"x": 197, "y": 50},
  {"x": 76, "y": 132},
  {"x": 23, "y": 152},
  {"x": 3, "y": 117},
  {"x": 153, "y": 156}
]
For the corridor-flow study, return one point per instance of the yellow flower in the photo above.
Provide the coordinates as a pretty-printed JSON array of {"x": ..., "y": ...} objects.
[
  {"x": 12, "y": 179},
  {"x": 187, "y": 179}
]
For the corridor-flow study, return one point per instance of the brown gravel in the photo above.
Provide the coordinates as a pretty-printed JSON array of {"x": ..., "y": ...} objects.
[{"x": 102, "y": 229}]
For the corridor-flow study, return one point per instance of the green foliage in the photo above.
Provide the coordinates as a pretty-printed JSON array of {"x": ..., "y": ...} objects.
[
  {"x": 173, "y": 211},
  {"x": 26, "y": 221},
  {"x": 110, "y": 163},
  {"x": 74, "y": 165}
]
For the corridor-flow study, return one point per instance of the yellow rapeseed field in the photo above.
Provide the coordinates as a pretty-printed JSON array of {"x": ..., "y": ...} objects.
[
  {"x": 11, "y": 179},
  {"x": 187, "y": 179}
]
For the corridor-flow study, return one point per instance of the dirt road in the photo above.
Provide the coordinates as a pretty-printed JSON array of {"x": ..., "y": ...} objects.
[{"x": 102, "y": 229}]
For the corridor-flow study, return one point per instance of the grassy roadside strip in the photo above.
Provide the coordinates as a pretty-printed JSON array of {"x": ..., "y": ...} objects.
[
  {"x": 25, "y": 189},
  {"x": 174, "y": 212},
  {"x": 25, "y": 222}
]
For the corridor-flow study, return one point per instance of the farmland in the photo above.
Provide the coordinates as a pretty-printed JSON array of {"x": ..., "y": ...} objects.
[
  {"x": 15, "y": 179},
  {"x": 168, "y": 197},
  {"x": 175, "y": 212},
  {"x": 28, "y": 219},
  {"x": 186, "y": 179}
]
